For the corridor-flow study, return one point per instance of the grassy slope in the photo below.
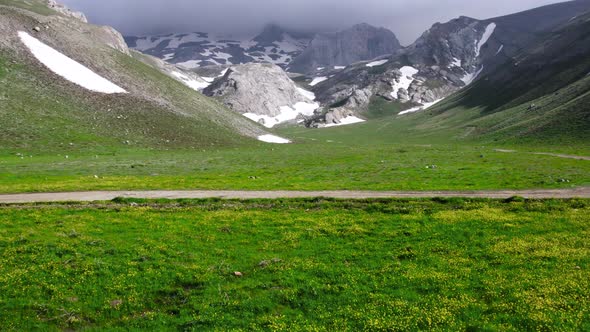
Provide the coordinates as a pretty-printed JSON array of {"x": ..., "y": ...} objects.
[
  {"x": 42, "y": 112},
  {"x": 307, "y": 265},
  {"x": 36, "y": 6}
]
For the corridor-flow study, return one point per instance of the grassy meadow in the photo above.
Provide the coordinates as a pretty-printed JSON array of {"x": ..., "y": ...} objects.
[
  {"x": 472, "y": 265},
  {"x": 318, "y": 160}
]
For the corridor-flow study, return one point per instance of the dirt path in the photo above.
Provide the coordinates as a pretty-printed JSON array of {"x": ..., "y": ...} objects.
[
  {"x": 558, "y": 155},
  {"x": 109, "y": 195},
  {"x": 567, "y": 156}
]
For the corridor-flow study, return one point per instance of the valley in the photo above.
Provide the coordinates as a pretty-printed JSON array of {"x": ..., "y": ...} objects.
[{"x": 297, "y": 178}]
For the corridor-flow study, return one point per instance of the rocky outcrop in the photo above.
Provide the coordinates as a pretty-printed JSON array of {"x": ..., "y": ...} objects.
[
  {"x": 62, "y": 9},
  {"x": 361, "y": 42},
  {"x": 263, "y": 92},
  {"x": 322, "y": 117},
  {"x": 112, "y": 38}
]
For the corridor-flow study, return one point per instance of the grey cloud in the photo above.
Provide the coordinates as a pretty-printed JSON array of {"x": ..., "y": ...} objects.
[{"x": 407, "y": 18}]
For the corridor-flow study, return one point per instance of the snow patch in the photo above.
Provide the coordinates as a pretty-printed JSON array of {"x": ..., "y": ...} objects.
[
  {"x": 500, "y": 49},
  {"x": 484, "y": 39},
  {"x": 190, "y": 64},
  {"x": 287, "y": 113},
  {"x": 420, "y": 108},
  {"x": 339, "y": 67},
  {"x": 273, "y": 139},
  {"x": 405, "y": 80},
  {"x": 68, "y": 68},
  {"x": 146, "y": 43},
  {"x": 377, "y": 63},
  {"x": 318, "y": 80},
  {"x": 457, "y": 63},
  {"x": 307, "y": 94},
  {"x": 470, "y": 77},
  {"x": 288, "y": 44},
  {"x": 346, "y": 121},
  {"x": 191, "y": 83},
  {"x": 223, "y": 56}
]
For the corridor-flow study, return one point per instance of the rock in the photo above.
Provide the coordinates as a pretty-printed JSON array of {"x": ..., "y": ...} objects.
[
  {"x": 62, "y": 9},
  {"x": 38, "y": 29},
  {"x": 263, "y": 264},
  {"x": 116, "y": 303},
  {"x": 112, "y": 38},
  {"x": 257, "y": 88},
  {"x": 358, "y": 43},
  {"x": 238, "y": 274},
  {"x": 403, "y": 95},
  {"x": 333, "y": 116}
]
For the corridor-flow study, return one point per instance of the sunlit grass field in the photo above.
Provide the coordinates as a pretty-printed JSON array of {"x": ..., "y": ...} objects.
[
  {"x": 306, "y": 165},
  {"x": 475, "y": 265}
]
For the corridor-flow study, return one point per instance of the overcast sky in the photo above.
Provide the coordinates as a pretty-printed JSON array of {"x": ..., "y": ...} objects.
[{"x": 407, "y": 18}]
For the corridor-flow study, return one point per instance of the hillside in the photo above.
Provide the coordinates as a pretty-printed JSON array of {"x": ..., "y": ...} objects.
[
  {"x": 42, "y": 111},
  {"x": 542, "y": 93},
  {"x": 445, "y": 59}
]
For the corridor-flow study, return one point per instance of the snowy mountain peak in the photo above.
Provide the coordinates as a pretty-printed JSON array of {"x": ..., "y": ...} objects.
[{"x": 197, "y": 49}]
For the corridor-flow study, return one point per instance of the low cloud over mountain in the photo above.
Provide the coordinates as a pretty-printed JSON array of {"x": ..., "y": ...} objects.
[{"x": 408, "y": 19}]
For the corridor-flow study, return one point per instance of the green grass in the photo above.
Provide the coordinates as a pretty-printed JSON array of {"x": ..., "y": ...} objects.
[
  {"x": 441, "y": 265},
  {"x": 380, "y": 108},
  {"x": 296, "y": 167},
  {"x": 35, "y": 6},
  {"x": 60, "y": 114}
]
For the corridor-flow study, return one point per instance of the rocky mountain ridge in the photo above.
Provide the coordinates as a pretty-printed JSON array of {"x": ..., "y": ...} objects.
[
  {"x": 292, "y": 50},
  {"x": 197, "y": 49},
  {"x": 446, "y": 58},
  {"x": 358, "y": 43}
]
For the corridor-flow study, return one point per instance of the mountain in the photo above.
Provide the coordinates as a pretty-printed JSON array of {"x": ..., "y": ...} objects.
[
  {"x": 542, "y": 92},
  {"x": 65, "y": 83},
  {"x": 263, "y": 93},
  {"x": 446, "y": 58},
  {"x": 273, "y": 45},
  {"x": 296, "y": 51},
  {"x": 360, "y": 42}
]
